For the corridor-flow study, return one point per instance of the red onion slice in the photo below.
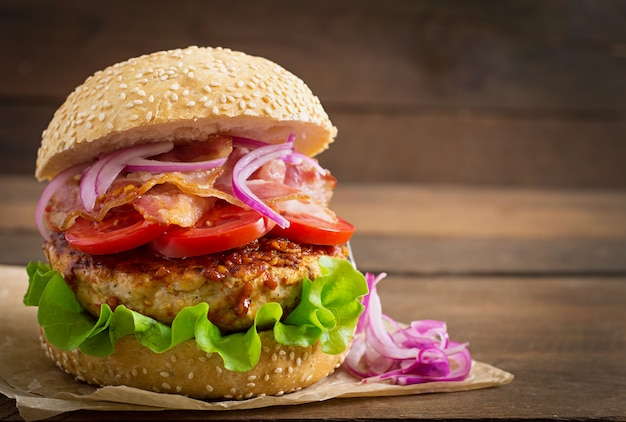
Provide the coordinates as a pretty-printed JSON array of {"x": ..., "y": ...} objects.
[
  {"x": 156, "y": 166},
  {"x": 47, "y": 194},
  {"x": 295, "y": 158},
  {"x": 246, "y": 166},
  {"x": 88, "y": 184},
  {"x": 385, "y": 350},
  {"x": 99, "y": 177}
]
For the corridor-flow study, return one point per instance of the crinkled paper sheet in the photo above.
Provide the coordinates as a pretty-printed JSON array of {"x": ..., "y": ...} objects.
[{"x": 42, "y": 391}]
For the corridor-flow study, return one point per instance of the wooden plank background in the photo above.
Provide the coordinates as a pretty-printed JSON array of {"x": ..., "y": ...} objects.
[{"x": 509, "y": 93}]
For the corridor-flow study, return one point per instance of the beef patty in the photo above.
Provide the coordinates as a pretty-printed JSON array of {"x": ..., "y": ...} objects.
[{"x": 235, "y": 283}]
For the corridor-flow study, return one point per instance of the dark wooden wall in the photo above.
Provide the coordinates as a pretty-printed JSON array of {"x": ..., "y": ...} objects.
[{"x": 529, "y": 93}]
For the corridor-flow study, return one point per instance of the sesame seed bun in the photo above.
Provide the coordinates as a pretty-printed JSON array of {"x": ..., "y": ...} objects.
[
  {"x": 188, "y": 371},
  {"x": 182, "y": 95}
]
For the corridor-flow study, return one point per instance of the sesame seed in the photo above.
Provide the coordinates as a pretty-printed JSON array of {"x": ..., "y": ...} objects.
[
  {"x": 208, "y": 388},
  {"x": 145, "y": 371},
  {"x": 166, "y": 386},
  {"x": 248, "y": 395},
  {"x": 274, "y": 357},
  {"x": 89, "y": 125},
  {"x": 133, "y": 117},
  {"x": 233, "y": 390},
  {"x": 292, "y": 355},
  {"x": 141, "y": 92},
  {"x": 148, "y": 116},
  {"x": 164, "y": 374},
  {"x": 123, "y": 86},
  {"x": 138, "y": 102},
  {"x": 101, "y": 116},
  {"x": 109, "y": 125},
  {"x": 251, "y": 377},
  {"x": 228, "y": 396},
  {"x": 174, "y": 97},
  {"x": 218, "y": 369},
  {"x": 278, "y": 370},
  {"x": 174, "y": 86},
  {"x": 251, "y": 385},
  {"x": 215, "y": 110},
  {"x": 282, "y": 353},
  {"x": 289, "y": 369},
  {"x": 190, "y": 375},
  {"x": 186, "y": 92},
  {"x": 134, "y": 372},
  {"x": 191, "y": 104},
  {"x": 179, "y": 388},
  {"x": 202, "y": 359},
  {"x": 168, "y": 365},
  {"x": 151, "y": 99},
  {"x": 299, "y": 361},
  {"x": 123, "y": 95}
]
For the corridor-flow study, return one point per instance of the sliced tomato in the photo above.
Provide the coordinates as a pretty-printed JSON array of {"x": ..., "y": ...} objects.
[
  {"x": 119, "y": 231},
  {"x": 305, "y": 228},
  {"x": 224, "y": 227}
]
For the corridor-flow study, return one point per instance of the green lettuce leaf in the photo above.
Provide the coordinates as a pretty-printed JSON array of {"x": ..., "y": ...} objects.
[{"x": 328, "y": 312}]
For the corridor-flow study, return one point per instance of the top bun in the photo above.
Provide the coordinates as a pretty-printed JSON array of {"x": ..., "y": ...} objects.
[{"x": 182, "y": 95}]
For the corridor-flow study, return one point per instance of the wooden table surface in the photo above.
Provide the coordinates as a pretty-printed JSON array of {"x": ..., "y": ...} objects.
[{"x": 535, "y": 280}]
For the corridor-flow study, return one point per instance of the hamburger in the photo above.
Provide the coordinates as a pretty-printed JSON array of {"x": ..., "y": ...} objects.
[{"x": 190, "y": 245}]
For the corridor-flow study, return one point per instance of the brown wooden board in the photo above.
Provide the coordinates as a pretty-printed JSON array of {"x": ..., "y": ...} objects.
[
  {"x": 485, "y": 92},
  {"x": 538, "y": 55},
  {"x": 437, "y": 256},
  {"x": 562, "y": 338},
  {"x": 420, "y": 148}
]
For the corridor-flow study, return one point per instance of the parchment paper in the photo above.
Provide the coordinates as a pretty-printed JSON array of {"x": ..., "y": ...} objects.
[{"x": 42, "y": 390}]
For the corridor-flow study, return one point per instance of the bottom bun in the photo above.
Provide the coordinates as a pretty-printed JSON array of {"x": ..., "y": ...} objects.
[{"x": 186, "y": 370}]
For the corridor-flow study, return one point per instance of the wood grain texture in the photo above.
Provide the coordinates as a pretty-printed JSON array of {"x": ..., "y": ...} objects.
[
  {"x": 563, "y": 338},
  {"x": 533, "y": 279},
  {"x": 489, "y": 53},
  {"x": 483, "y": 92}
]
